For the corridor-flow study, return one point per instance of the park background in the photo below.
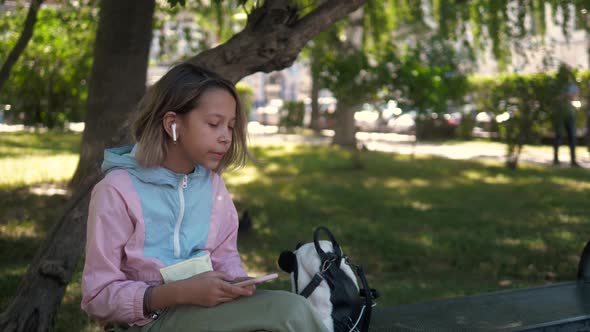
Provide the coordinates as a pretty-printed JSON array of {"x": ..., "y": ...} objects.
[{"x": 419, "y": 132}]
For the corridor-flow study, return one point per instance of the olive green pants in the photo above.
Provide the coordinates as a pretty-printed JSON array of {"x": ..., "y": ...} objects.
[{"x": 274, "y": 311}]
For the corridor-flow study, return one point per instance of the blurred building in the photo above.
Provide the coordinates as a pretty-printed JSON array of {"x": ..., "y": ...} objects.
[
  {"x": 271, "y": 90},
  {"x": 293, "y": 84}
]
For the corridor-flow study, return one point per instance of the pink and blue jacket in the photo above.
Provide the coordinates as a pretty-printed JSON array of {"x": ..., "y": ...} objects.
[{"x": 141, "y": 220}]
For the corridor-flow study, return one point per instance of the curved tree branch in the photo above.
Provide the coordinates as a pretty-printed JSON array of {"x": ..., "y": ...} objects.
[
  {"x": 272, "y": 38},
  {"x": 22, "y": 42}
]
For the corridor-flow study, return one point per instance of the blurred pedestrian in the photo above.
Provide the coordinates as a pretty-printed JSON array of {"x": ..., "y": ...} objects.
[{"x": 564, "y": 113}]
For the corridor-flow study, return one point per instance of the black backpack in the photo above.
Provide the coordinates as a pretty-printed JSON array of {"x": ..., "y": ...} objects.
[{"x": 351, "y": 306}]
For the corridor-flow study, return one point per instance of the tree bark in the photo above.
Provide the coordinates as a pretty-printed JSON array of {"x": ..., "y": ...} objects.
[
  {"x": 117, "y": 82},
  {"x": 345, "y": 132},
  {"x": 22, "y": 42},
  {"x": 270, "y": 41}
]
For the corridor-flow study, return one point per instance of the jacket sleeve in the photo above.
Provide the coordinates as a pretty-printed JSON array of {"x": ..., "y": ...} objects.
[
  {"x": 107, "y": 293},
  {"x": 225, "y": 256}
]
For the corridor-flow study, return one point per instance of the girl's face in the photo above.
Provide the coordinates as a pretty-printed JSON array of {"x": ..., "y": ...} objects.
[{"x": 206, "y": 132}]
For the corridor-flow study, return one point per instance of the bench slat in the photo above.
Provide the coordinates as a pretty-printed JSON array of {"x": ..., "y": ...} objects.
[{"x": 530, "y": 309}]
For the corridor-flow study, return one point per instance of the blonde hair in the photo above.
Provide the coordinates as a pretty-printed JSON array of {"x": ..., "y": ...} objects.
[{"x": 179, "y": 91}]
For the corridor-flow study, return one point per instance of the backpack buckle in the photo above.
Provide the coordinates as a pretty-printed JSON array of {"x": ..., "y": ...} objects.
[{"x": 328, "y": 262}]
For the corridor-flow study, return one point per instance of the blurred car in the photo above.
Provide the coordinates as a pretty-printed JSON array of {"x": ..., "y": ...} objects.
[
  {"x": 269, "y": 114},
  {"x": 366, "y": 120},
  {"x": 484, "y": 126},
  {"x": 403, "y": 124}
]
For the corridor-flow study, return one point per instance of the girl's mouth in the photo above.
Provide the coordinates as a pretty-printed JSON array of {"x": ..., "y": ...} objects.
[{"x": 217, "y": 155}]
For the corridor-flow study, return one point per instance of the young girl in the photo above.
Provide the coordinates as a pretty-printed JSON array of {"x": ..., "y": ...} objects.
[{"x": 161, "y": 252}]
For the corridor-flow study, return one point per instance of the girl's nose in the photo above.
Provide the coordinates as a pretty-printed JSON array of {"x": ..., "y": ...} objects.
[{"x": 225, "y": 137}]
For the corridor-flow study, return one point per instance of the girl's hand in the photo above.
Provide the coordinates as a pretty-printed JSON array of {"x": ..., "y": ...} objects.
[
  {"x": 250, "y": 287},
  {"x": 209, "y": 289}
]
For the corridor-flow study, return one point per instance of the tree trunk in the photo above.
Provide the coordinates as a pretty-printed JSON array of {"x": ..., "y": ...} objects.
[
  {"x": 22, "y": 42},
  {"x": 315, "y": 105},
  {"x": 346, "y": 130},
  {"x": 588, "y": 82},
  {"x": 345, "y": 134},
  {"x": 271, "y": 41},
  {"x": 315, "y": 87},
  {"x": 117, "y": 82}
]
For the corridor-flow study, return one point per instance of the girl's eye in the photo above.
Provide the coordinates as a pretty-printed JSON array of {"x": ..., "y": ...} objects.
[{"x": 213, "y": 125}]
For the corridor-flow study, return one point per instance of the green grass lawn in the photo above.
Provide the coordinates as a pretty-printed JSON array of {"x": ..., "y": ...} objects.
[
  {"x": 424, "y": 228},
  {"x": 27, "y": 158}
]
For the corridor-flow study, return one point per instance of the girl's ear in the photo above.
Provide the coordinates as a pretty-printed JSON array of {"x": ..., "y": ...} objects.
[{"x": 167, "y": 121}]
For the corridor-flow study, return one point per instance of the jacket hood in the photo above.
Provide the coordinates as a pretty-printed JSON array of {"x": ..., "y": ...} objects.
[{"x": 124, "y": 158}]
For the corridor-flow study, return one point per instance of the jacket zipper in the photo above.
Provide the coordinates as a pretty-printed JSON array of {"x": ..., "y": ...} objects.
[{"x": 183, "y": 184}]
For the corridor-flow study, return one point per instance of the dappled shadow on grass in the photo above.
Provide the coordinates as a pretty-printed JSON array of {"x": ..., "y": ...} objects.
[
  {"x": 10, "y": 277},
  {"x": 71, "y": 318},
  {"x": 13, "y": 144},
  {"x": 25, "y": 219},
  {"x": 427, "y": 219},
  {"x": 20, "y": 204}
]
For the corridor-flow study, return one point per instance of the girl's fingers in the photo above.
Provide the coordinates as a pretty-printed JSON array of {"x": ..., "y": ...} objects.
[
  {"x": 235, "y": 291},
  {"x": 225, "y": 299}
]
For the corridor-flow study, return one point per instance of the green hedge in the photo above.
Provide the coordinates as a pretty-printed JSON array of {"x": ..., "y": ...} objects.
[
  {"x": 528, "y": 99},
  {"x": 525, "y": 95},
  {"x": 292, "y": 114}
]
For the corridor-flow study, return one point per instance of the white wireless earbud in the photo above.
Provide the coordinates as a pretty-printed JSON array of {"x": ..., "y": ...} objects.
[{"x": 174, "y": 132}]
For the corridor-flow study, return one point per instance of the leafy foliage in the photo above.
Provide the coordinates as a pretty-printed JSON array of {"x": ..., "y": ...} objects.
[
  {"x": 420, "y": 78},
  {"x": 246, "y": 95},
  {"x": 173, "y": 3},
  {"x": 194, "y": 26},
  {"x": 292, "y": 114},
  {"x": 48, "y": 85}
]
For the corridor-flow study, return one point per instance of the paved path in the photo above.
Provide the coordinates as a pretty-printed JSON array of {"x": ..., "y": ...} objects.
[{"x": 404, "y": 144}]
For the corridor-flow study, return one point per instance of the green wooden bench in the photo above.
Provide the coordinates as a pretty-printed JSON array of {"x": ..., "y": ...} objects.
[{"x": 558, "y": 307}]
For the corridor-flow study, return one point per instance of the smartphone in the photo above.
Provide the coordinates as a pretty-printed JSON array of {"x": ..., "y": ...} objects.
[{"x": 258, "y": 280}]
